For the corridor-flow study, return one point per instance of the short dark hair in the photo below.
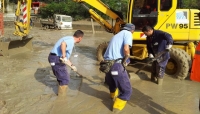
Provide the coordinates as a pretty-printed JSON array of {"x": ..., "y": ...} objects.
[
  {"x": 78, "y": 33},
  {"x": 147, "y": 28}
]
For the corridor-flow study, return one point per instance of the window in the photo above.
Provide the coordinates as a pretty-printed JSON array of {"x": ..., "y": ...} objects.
[
  {"x": 58, "y": 18},
  {"x": 144, "y": 13},
  {"x": 165, "y": 5}
]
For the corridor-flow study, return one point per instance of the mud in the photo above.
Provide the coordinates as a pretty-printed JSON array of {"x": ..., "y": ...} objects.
[{"x": 28, "y": 86}]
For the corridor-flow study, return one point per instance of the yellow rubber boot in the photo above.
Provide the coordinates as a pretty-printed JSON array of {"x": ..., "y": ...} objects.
[
  {"x": 118, "y": 105},
  {"x": 62, "y": 90},
  {"x": 115, "y": 94}
]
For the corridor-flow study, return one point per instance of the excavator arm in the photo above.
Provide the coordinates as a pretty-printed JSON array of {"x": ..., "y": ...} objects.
[
  {"x": 22, "y": 25},
  {"x": 99, "y": 5}
]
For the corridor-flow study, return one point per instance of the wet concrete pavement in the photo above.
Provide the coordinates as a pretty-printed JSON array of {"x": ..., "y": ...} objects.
[{"x": 28, "y": 86}]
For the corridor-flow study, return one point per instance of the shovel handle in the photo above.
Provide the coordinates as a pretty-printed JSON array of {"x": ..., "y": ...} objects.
[
  {"x": 159, "y": 54},
  {"x": 70, "y": 67}
]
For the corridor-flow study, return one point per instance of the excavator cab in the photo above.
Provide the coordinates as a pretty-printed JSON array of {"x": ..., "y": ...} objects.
[
  {"x": 145, "y": 12},
  {"x": 20, "y": 41}
]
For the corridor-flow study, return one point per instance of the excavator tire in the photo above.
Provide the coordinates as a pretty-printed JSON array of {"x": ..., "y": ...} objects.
[
  {"x": 186, "y": 56},
  {"x": 101, "y": 49},
  {"x": 178, "y": 65}
]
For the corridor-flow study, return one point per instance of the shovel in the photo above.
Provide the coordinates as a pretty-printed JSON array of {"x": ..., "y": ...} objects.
[
  {"x": 159, "y": 54},
  {"x": 78, "y": 75}
]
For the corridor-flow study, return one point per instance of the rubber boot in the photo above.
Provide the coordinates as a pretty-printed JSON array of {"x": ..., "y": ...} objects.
[
  {"x": 62, "y": 90},
  {"x": 160, "y": 81},
  {"x": 114, "y": 94},
  {"x": 119, "y": 104},
  {"x": 153, "y": 78}
]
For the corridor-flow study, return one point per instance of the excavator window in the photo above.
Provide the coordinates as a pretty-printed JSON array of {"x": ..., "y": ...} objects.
[
  {"x": 144, "y": 13},
  {"x": 165, "y": 5}
]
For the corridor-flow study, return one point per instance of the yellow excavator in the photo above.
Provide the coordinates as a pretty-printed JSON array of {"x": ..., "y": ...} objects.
[
  {"x": 20, "y": 41},
  {"x": 167, "y": 15}
]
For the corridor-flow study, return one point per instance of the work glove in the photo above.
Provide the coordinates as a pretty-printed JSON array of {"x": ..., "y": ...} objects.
[
  {"x": 65, "y": 61},
  {"x": 169, "y": 47},
  {"x": 151, "y": 57},
  {"x": 74, "y": 68},
  {"x": 125, "y": 63}
]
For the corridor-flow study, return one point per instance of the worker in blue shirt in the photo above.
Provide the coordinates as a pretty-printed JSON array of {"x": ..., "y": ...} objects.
[
  {"x": 62, "y": 51},
  {"x": 158, "y": 41},
  {"x": 117, "y": 78}
]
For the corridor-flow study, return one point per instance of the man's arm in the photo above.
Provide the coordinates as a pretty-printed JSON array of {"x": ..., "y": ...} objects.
[
  {"x": 126, "y": 50},
  {"x": 63, "y": 47},
  {"x": 126, "y": 55},
  {"x": 149, "y": 48},
  {"x": 168, "y": 38}
]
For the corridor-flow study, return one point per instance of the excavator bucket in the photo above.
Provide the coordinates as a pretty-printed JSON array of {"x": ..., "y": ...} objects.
[
  {"x": 19, "y": 41},
  {"x": 12, "y": 47}
]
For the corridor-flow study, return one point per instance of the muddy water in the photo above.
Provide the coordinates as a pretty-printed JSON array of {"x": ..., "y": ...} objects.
[{"x": 28, "y": 86}]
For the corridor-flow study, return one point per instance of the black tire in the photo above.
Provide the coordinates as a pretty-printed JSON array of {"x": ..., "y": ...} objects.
[
  {"x": 187, "y": 56},
  {"x": 178, "y": 65},
  {"x": 101, "y": 49}
]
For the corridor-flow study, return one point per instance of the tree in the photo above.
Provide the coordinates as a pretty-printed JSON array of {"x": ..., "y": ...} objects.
[
  {"x": 66, "y": 7},
  {"x": 191, "y": 4},
  {"x": 77, "y": 11}
]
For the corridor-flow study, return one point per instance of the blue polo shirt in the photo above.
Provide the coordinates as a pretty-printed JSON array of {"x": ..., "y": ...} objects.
[
  {"x": 69, "y": 40},
  {"x": 115, "y": 47}
]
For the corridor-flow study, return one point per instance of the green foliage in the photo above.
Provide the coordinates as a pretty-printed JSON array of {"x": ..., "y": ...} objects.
[
  {"x": 191, "y": 4},
  {"x": 77, "y": 11},
  {"x": 68, "y": 8}
]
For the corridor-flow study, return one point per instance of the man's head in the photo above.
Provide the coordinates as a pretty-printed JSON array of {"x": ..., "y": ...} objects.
[
  {"x": 129, "y": 26},
  {"x": 78, "y": 35},
  {"x": 147, "y": 30}
]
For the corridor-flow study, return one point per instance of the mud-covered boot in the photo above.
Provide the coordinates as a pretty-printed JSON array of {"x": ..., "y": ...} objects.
[
  {"x": 160, "y": 81},
  {"x": 62, "y": 90},
  {"x": 153, "y": 78},
  {"x": 118, "y": 105}
]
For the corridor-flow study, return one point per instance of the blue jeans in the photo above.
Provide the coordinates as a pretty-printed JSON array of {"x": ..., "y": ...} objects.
[{"x": 158, "y": 69}]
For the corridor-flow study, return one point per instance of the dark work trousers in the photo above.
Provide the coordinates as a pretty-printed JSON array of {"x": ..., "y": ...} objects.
[
  {"x": 158, "y": 69},
  {"x": 59, "y": 69},
  {"x": 117, "y": 77}
]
